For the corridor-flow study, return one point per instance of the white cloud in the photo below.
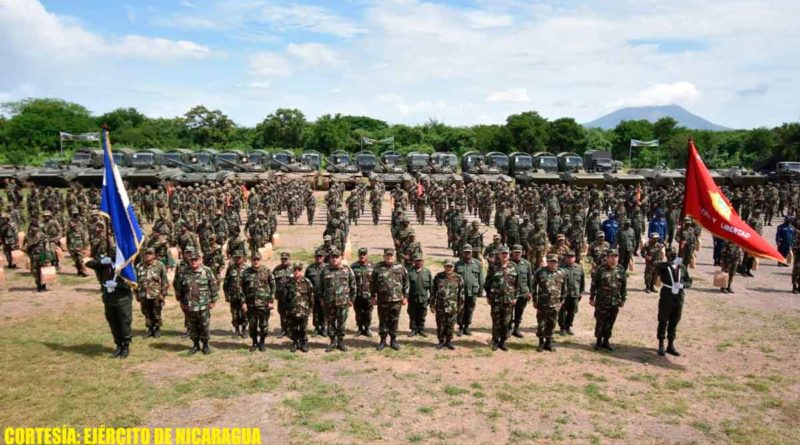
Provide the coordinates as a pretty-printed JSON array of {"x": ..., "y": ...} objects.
[
  {"x": 313, "y": 53},
  {"x": 285, "y": 17},
  {"x": 268, "y": 64},
  {"x": 662, "y": 94},
  {"x": 158, "y": 48},
  {"x": 485, "y": 19},
  {"x": 510, "y": 95}
]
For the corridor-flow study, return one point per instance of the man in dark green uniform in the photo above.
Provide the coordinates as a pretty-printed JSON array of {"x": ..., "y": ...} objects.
[
  {"x": 576, "y": 285},
  {"x": 674, "y": 280},
  {"x": 198, "y": 293},
  {"x": 282, "y": 273},
  {"x": 234, "y": 294},
  {"x": 524, "y": 291},
  {"x": 607, "y": 294},
  {"x": 421, "y": 281},
  {"x": 118, "y": 304},
  {"x": 313, "y": 272},
  {"x": 390, "y": 292},
  {"x": 153, "y": 285},
  {"x": 471, "y": 271},
  {"x": 362, "y": 269},
  {"x": 501, "y": 288}
]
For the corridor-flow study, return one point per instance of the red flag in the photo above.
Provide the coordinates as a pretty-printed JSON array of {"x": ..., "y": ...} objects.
[
  {"x": 709, "y": 207},
  {"x": 420, "y": 189}
]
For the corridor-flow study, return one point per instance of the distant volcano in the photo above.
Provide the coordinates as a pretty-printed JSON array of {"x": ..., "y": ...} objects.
[{"x": 652, "y": 114}]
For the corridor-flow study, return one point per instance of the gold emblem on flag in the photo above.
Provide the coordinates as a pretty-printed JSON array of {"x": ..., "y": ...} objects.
[{"x": 720, "y": 205}]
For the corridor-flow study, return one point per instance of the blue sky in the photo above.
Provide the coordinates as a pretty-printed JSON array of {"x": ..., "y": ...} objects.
[{"x": 405, "y": 61}]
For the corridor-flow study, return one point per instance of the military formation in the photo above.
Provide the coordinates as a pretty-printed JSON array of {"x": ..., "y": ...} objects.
[{"x": 212, "y": 237}]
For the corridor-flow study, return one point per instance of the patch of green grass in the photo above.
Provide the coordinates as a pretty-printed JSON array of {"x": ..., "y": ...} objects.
[
  {"x": 321, "y": 398},
  {"x": 425, "y": 410},
  {"x": 594, "y": 378},
  {"x": 703, "y": 427},
  {"x": 644, "y": 378},
  {"x": 476, "y": 385},
  {"x": 361, "y": 429},
  {"x": 517, "y": 436},
  {"x": 724, "y": 346},
  {"x": 320, "y": 426},
  {"x": 610, "y": 430},
  {"x": 454, "y": 390},
  {"x": 595, "y": 393},
  {"x": 678, "y": 384},
  {"x": 415, "y": 438},
  {"x": 478, "y": 394},
  {"x": 677, "y": 407}
]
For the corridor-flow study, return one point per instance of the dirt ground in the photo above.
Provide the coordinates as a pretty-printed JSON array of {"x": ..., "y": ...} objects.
[{"x": 737, "y": 380}]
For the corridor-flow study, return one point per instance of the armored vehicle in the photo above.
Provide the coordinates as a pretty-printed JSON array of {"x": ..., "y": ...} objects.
[
  {"x": 340, "y": 168},
  {"x": 571, "y": 170},
  {"x": 474, "y": 166},
  {"x": 285, "y": 165},
  {"x": 523, "y": 171},
  {"x": 57, "y": 173},
  {"x": 390, "y": 169},
  {"x": 240, "y": 168},
  {"x": 149, "y": 168}
]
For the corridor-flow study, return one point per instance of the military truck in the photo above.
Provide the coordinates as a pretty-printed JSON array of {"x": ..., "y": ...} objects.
[
  {"x": 312, "y": 158},
  {"x": 786, "y": 172},
  {"x": 499, "y": 161},
  {"x": 366, "y": 161},
  {"x": 439, "y": 167},
  {"x": 545, "y": 161},
  {"x": 389, "y": 169},
  {"x": 340, "y": 168},
  {"x": 123, "y": 158},
  {"x": 285, "y": 165},
  {"x": 199, "y": 169},
  {"x": 240, "y": 167},
  {"x": 598, "y": 161},
  {"x": 58, "y": 173},
  {"x": 150, "y": 168},
  {"x": 522, "y": 169},
  {"x": 475, "y": 167},
  {"x": 417, "y": 162},
  {"x": 571, "y": 170}
]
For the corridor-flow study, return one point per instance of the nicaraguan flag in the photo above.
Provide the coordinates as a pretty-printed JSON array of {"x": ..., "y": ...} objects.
[{"x": 117, "y": 207}]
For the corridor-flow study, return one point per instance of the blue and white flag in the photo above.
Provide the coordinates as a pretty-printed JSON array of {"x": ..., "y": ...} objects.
[
  {"x": 638, "y": 143},
  {"x": 117, "y": 207}
]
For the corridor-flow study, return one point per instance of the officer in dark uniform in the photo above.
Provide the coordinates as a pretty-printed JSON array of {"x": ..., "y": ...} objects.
[
  {"x": 118, "y": 303},
  {"x": 674, "y": 280}
]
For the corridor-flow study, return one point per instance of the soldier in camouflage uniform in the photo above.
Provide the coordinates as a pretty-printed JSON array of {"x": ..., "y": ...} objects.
[
  {"x": 338, "y": 291},
  {"x": 409, "y": 249},
  {"x": 730, "y": 260},
  {"x": 311, "y": 208},
  {"x": 524, "y": 292},
  {"x": 153, "y": 285},
  {"x": 299, "y": 303},
  {"x": 10, "y": 238},
  {"x": 607, "y": 294},
  {"x": 258, "y": 286},
  {"x": 198, "y": 293},
  {"x": 282, "y": 273},
  {"x": 687, "y": 242},
  {"x": 390, "y": 286},
  {"x": 548, "y": 289},
  {"x": 575, "y": 286},
  {"x": 597, "y": 250},
  {"x": 313, "y": 272},
  {"x": 502, "y": 286},
  {"x": 52, "y": 230},
  {"x": 626, "y": 242},
  {"x": 537, "y": 240},
  {"x": 420, "y": 283},
  {"x": 447, "y": 302},
  {"x": 234, "y": 293},
  {"x": 37, "y": 248},
  {"x": 77, "y": 241},
  {"x": 362, "y": 269},
  {"x": 214, "y": 259},
  {"x": 652, "y": 253},
  {"x": 670, "y": 302}
]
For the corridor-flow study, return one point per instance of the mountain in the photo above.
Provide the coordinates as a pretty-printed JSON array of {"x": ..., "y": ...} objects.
[{"x": 652, "y": 114}]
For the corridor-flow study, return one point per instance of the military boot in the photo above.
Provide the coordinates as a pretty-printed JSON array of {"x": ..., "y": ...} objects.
[
  {"x": 117, "y": 351},
  {"x": 730, "y": 291},
  {"x": 367, "y": 331},
  {"x": 467, "y": 332},
  {"x": 516, "y": 332},
  {"x": 494, "y": 344},
  {"x": 382, "y": 344},
  {"x": 440, "y": 345},
  {"x": 548, "y": 345},
  {"x": 607, "y": 345},
  {"x": 502, "y": 345},
  {"x": 148, "y": 333},
  {"x": 671, "y": 349},
  {"x": 661, "y": 347},
  {"x": 261, "y": 346},
  {"x": 304, "y": 346},
  {"x": 460, "y": 331},
  {"x": 340, "y": 344},
  {"x": 236, "y": 331},
  {"x": 293, "y": 348},
  {"x": 125, "y": 350},
  {"x": 541, "y": 345},
  {"x": 195, "y": 347},
  {"x": 422, "y": 333},
  {"x": 393, "y": 344},
  {"x": 243, "y": 332},
  {"x": 598, "y": 344},
  {"x": 449, "y": 344},
  {"x": 331, "y": 346},
  {"x": 156, "y": 332},
  {"x": 206, "y": 348},
  {"x": 254, "y": 346}
]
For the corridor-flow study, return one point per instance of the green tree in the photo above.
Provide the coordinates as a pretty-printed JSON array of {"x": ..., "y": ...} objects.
[
  {"x": 35, "y": 123},
  {"x": 327, "y": 134},
  {"x": 663, "y": 128},
  {"x": 565, "y": 134},
  {"x": 528, "y": 131},
  {"x": 284, "y": 128},
  {"x": 122, "y": 118},
  {"x": 207, "y": 128},
  {"x": 598, "y": 139},
  {"x": 627, "y": 130},
  {"x": 492, "y": 138},
  {"x": 406, "y": 135}
]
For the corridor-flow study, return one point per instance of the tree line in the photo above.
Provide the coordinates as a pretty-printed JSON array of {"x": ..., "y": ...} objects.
[{"x": 29, "y": 133}]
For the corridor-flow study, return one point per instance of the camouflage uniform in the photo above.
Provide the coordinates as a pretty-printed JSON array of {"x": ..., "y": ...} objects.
[
  {"x": 36, "y": 246},
  {"x": 390, "y": 286},
  {"x": 234, "y": 294},
  {"x": 338, "y": 291},
  {"x": 608, "y": 292},
  {"x": 597, "y": 250},
  {"x": 501, "y": 288},
  {"x": 363, "y": 300},
  {"x": 76, "y": 242},
  {"x": 652, "y": 253},
  {"x": 730, "y": 260},
  {"x": 447, "y": 300},
  {"x": 282, "y": 274},
  {"x": 298, "y": 305},
  {"x": 420, "y": 283},
  {"x": 537, "y": 240},
  {"x": 153, "y": 286},
  {"x": 10, "y": 237},
  {"x": 197, "y": 291},
  {"x": 548, "y": 289},
  {"x": 258, "y": 286}
]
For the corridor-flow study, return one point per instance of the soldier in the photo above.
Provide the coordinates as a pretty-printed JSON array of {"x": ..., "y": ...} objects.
[
  {"x": 153, "y": 285},
  {"x": 796, "y": 266},
  {"x": 299, "y": 302},
  {"x": 652, "y": 252},
  {"x": 258, "y": 286},
  {"x": 626, "y": 243},
  {"x": 560, "y": 247},
  {"x": 198, "y": 293},
  {"x": 524, "y": 292},
  {"x": 537, "y": 240},
  {"x": 548, "y": 288},
  {"x": 10, "y": 237},
  {"x": 390, "y": 286},
  {"x": 597, "y": 250},
  {"x": 730, "y": 260},
  {"x": 784, "y": 238},
  {"x": 502, "y": 286},
  {"x": 420, "y": 283},
  {"x": 362, "y": 269},
  {"x": 214, "y": 259},
  {"x": 311, "y": 208},
  {"x": 471, "y": 271},
  {"x": 670, "y": 301},
  {"x": 282, "y": 273},
  {"x": 338, "y": 291},
  {"x": 313, "y": 272},
  {"x": 492, "y": 249},
  {"x": 447, "y": 302},
  {"x": 117, "y": 303},
  {"x": 234, "y": 293},
  {"x": 409, "y": 249},
  {"x": 52, "y": 230},
  {"x": 76, "y": 241},
  {"x": 575, "y": 286},
  {"x": 37, "y": 248},
  {"x": 687, "y": 242},
  {"x": 607, "y": 295}
]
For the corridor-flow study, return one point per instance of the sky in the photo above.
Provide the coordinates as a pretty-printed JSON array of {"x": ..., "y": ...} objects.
[{"x": 734, "y": 62}]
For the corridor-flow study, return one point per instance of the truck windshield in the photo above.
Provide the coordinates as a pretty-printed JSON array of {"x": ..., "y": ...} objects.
[
  {"x": 367, "y": 160},
  {"x": 143, "y": 159},
  {"x": 203, "y": 158},
  {"x": 793, "y": 166},
  {"x": 340, "y": 158},
  {"x": 391, "y": 159},
  {"x": 419, "y": 159},
  {"x": 500, "y": 161},
  {"x": 230, "y": 157},
  {"x": 522, "y": 162},
  {"x": 448, "y": 160},
  {"x": 119, "y": 158},
  {"x": 255, "y": 158},
  {"x": 173, "y": 157},
  {"x": 573, "y": 162},
  {"x": 548, "y": 162}
]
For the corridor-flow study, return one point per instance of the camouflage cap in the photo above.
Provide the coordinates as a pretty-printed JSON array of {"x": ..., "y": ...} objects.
[
  {"x": 569, "y": 253},
  {"x": 335, "y": 252},
  {"x": 319, "y": 252},
  {"x": 238, "y": 254},
  {"x": 476, "y": 223},
  {"x": 256, "y": 255},
  {"x": 612, "y": 252},
  {"x": 561, "y": 236},
  {"x": 516, "y": 248},
  {"x": 600, "y": 233},
  {"x": 285, "y": 255},
  {"x": 466, "y": 248},
  {"x": 297, "y": 265},
  {"x": 449, "y": 263},
  {"x": 552, "y": 257},
  {"x": 503, "y": 249},
  {"x": 191, "y": 255},
  {"x": 189, "y": 249},
  {"x": 363, "y": 250},
  {"x": 417, "y": 256},
  {"x": 670, "y": 251},
  {"x": 388, "y": 251},
  {"x": 326, "y": 238},
  {"x": 496, "y": 236},
  {"x": 150, "y": 250}
]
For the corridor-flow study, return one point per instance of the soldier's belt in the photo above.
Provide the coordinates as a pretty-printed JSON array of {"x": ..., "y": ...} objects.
[{"x": 198, "y": 309}]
